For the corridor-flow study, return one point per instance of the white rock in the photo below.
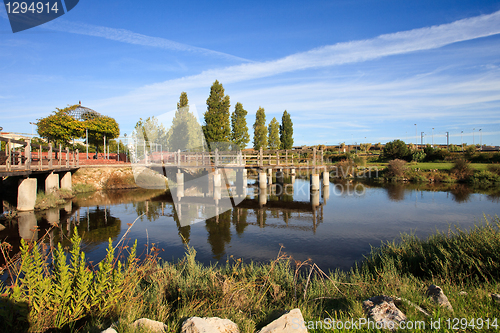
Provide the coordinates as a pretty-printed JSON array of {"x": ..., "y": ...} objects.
[
  {"x": 495, "y": 298},
  {"x": 109, "y": 330},
  {"x": 290, "y": 322},
  {"x": 383, "y": 311},
  {"x": 439, "y": 297},
  {"x": 208, "y": 325},
  {"x": 152, "y": 325}
]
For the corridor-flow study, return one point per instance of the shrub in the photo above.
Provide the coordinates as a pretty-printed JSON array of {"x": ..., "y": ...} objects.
[
  {"x": 418, "y": 156},
  {"x": 396, "y": 169},
  {"x": 461, "y": 168},
  {"x": 396, "y": 149},
  {"x": 346, "y": 168},
  {"x": 484, "y": 177},
  {"x": 495, "y": 168}
]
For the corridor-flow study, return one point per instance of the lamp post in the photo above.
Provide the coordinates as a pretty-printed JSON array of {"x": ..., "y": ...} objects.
[
  {"x": 481, "y": 142},
  {"x": 87, "y": 141},
  {"x": 416, "y": 137},
  {"x": 473, "y": 141},
  {"x": 421, "y": 139},
  {"x": 32, "y": 128},
  {"x": 433, "y": 137},
  {"x": 462, "y": 140}
]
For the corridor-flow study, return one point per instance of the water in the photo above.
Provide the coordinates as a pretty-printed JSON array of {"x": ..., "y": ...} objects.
[{"x": 351, "y": 217}]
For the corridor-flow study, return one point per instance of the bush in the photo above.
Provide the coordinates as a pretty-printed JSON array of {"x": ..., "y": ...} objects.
[
  {"x": 494, "y": 168},
  {"x": 461, "y": 168},
  {"x": 396, "y": 169},
  {"x": 396, "y": 149},
  {"x": 345, "y": 168},
  {"x": 484, "y": 177},
  {"x": 418, "y": 156}
]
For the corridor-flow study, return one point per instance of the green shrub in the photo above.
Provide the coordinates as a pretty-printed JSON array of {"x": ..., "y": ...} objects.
[
  {"x": 418, "y": 156},
  {"x": 462, "y": 169},
  {"x": 494, "y": 168},
  {"x": 484, "y": 177},
  {"x": 396, "y": 169},
  {"x": 396, "y": 149}
]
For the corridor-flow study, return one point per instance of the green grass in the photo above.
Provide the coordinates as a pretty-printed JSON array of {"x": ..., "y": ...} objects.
[
  {"x": 52, "y": 199},
  {"x": 252, "y": 295}
]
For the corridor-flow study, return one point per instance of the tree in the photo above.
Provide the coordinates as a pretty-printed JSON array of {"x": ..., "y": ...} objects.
[
  {"x": 185, "y": 132},
  {"x": 60, "y": 127},
  {"x": 217, "y": 127},
  {"x": 101, "y": 127},
  {"x": 274, "y": 135},
  {"x": 286, "y": 131},
  {"x": 260, "y": 130},
  {"x": 396, "y": 149},
  {"x": 239, "y": 133}
]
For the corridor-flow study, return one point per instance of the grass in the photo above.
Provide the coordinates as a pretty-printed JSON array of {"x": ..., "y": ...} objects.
[
  {"x": 252, "y": 294},
  {"x": 52, "y": 199},
  {"x": 83, "y": 188}
]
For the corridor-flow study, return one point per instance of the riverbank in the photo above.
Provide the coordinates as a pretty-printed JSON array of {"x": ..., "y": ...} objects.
[{"x": 465, "y": 264}]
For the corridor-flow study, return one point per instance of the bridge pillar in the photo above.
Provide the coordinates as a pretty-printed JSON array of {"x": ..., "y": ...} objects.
[
  {"x": 27, "y": 225},
  {"x": 263, "y": 196},
  {"x": 315, "y": 198},
  {"x": 326, "y": 193},
  {"x": 66, "y": 181},
  {"x": 292, "y": 171},
  {"x": 51, "y": 183},
  {"x": 180, "y": 178},
  {"x": 53, "y": 216},
  {"x": 217, "y": 179},
  {"x": 314, "y": 179},
  {"x": 262, "y": 180},
  {"x": 26, "y": 194},
  {"x": 279, "y": 177},
  {"x": 326, "y": 178}
]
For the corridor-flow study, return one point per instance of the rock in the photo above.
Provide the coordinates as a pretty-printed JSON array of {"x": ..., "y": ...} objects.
[
  {"x": 208, "y": 325},
  {"x": 151, "y": 325},
  {"x": 495, "y": 298},
  {"x": 290, "y": 322},
  {"x": 109, "y": 330},
  {"x": 439, "y": 297},
  {"x": 383, "y": 311},
  {"x": 463, "y": 293}
]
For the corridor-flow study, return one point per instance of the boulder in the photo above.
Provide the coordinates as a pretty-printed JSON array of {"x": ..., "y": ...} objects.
[
  {"x": 439, "y": 297},
  {"x": 290, "y": 322},
  {"x": 151, "y": 325},
  {"x": 383, "y": 311},
  {"x": 208, "y": 325},
  {"x": 109, "y": 330},
  {"x": 495, "y": 298}
]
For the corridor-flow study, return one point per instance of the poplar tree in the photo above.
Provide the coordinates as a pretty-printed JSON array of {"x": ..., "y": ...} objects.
[
  {"x": 217, "y": 127},
  {"x": 239, "y": 134},
  {"x": 274, "y": 135},
  {"x": 260, "y": 130},
  {"x": 286, "y": 131},
  {"x": 185, "y": 133}
]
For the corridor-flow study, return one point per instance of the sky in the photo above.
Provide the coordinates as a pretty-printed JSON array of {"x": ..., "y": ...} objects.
[{"x": 346, "y": 71}]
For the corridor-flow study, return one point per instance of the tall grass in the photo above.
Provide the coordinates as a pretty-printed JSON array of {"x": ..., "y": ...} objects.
[{"x": 67, "y": 294}]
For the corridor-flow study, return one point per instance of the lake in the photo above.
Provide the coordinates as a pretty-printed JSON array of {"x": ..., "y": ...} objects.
[{"x": 334, "y": 228}]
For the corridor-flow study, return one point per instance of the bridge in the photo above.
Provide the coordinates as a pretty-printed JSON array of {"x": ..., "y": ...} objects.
[{"x": 30, "y": 163}]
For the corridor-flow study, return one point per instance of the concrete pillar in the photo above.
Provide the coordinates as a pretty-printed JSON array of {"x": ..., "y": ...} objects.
[
  {"x": 26, "y": 194},
  {"x": 52, "y": 215},
  {"x": 66, "y": 181},
  {"x": 180, "y": 178},
  {"x": 51, "y": 183},
  {"x": 217, "y": 180},
  {"x": 279, "y": 177},
  {"x": 217, "y": 193},
  {"x": 27, "y": 225},
  {"x": 326, "y": 178},
  {"x": 292, "y": 178},
  {"x": 262, "y": 180},
  {"x": 270, "y": 172},
  {"x": 315, "y": 198},
  {"x": 326, "y": 193},
  {"x": 314, "y": 179},
  {"x": 179, "y": 189},
  {"x": 68, "y": 207},
  {"x": 292, "y": 171},
  {"x": 262, "y": 196}
]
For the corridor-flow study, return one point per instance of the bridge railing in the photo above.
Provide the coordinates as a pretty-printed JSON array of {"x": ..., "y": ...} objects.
[{"x": 23, "y": 155}]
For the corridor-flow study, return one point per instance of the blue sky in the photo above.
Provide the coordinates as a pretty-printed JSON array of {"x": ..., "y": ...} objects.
[{"x": 346, "y": 71}]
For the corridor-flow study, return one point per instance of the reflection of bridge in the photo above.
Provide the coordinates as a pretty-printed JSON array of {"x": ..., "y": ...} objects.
[{"x": 29, "y": 163}]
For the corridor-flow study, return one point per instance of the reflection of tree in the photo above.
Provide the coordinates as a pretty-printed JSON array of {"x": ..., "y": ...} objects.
[
  {"x": 219, "y": 233},
  {"x": 461, "y": 193},
  {"x": 240, "y": 220},
  {"x": 184, "y": 232},
  {"x": 261, "y": 216},
  {"x": 396, "y": 192},
  {"x": 152, "y": 209}
]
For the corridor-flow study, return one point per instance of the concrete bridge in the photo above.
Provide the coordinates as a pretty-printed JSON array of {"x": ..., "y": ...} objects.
[{"x": 27, "y": 166}]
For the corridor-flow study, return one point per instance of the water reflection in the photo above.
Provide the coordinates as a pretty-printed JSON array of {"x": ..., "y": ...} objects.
[{"x": 335, "y": 225}]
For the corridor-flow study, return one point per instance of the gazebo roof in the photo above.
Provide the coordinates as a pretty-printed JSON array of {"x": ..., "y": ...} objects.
[{"x": 83, "y": 113}]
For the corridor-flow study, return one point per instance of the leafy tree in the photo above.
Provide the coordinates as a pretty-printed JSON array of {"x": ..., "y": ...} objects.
[
  {"x": 239, "y": 134},
  {"x": 185, "y": 133},
  {"x": 260, "y": 130},
  {"x": 217, "y": 127},
  {"x": 286, "y": 131},
  {"x": 100, "y": 127},
  {"x": 60, "y": 127},
  {"x": 396, "y": 149},
  {"x": 274, "y": 137}
]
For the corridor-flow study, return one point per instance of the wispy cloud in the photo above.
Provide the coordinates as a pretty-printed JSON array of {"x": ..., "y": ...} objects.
[
  {"x": 338, "y": 54},
  {"x": 130, "y": 37}
]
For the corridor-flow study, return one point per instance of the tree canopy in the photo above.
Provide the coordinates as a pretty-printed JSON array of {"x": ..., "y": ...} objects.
[
  {"x": 60, "y": 127},
  {"x": 239, "y": 133},
  {"x": 274, "y": 135},
  {"x": 396, "y": 149},
  {"x": 217, "y": 127},
  {"x": 185, "y": 132},
  {"x": 286, "y": 131},
  {"x": 260, "y": 130}
]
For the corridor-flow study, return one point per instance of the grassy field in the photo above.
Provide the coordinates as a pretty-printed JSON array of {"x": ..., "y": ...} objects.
[
  {"x": 444, "y": 166},
  {"x": 465, "y": 264}
]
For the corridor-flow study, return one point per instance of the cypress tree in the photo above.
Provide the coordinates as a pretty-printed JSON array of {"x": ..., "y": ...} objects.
[
  {"x": 239, "y": 126},
  {"x": 274, "y": 135},
  {"x": 260, "y": 130},
  {"x": 286, "y": 131},
  {"x": 217, "y": 127},
  {"x": 185, "y": 133}
]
